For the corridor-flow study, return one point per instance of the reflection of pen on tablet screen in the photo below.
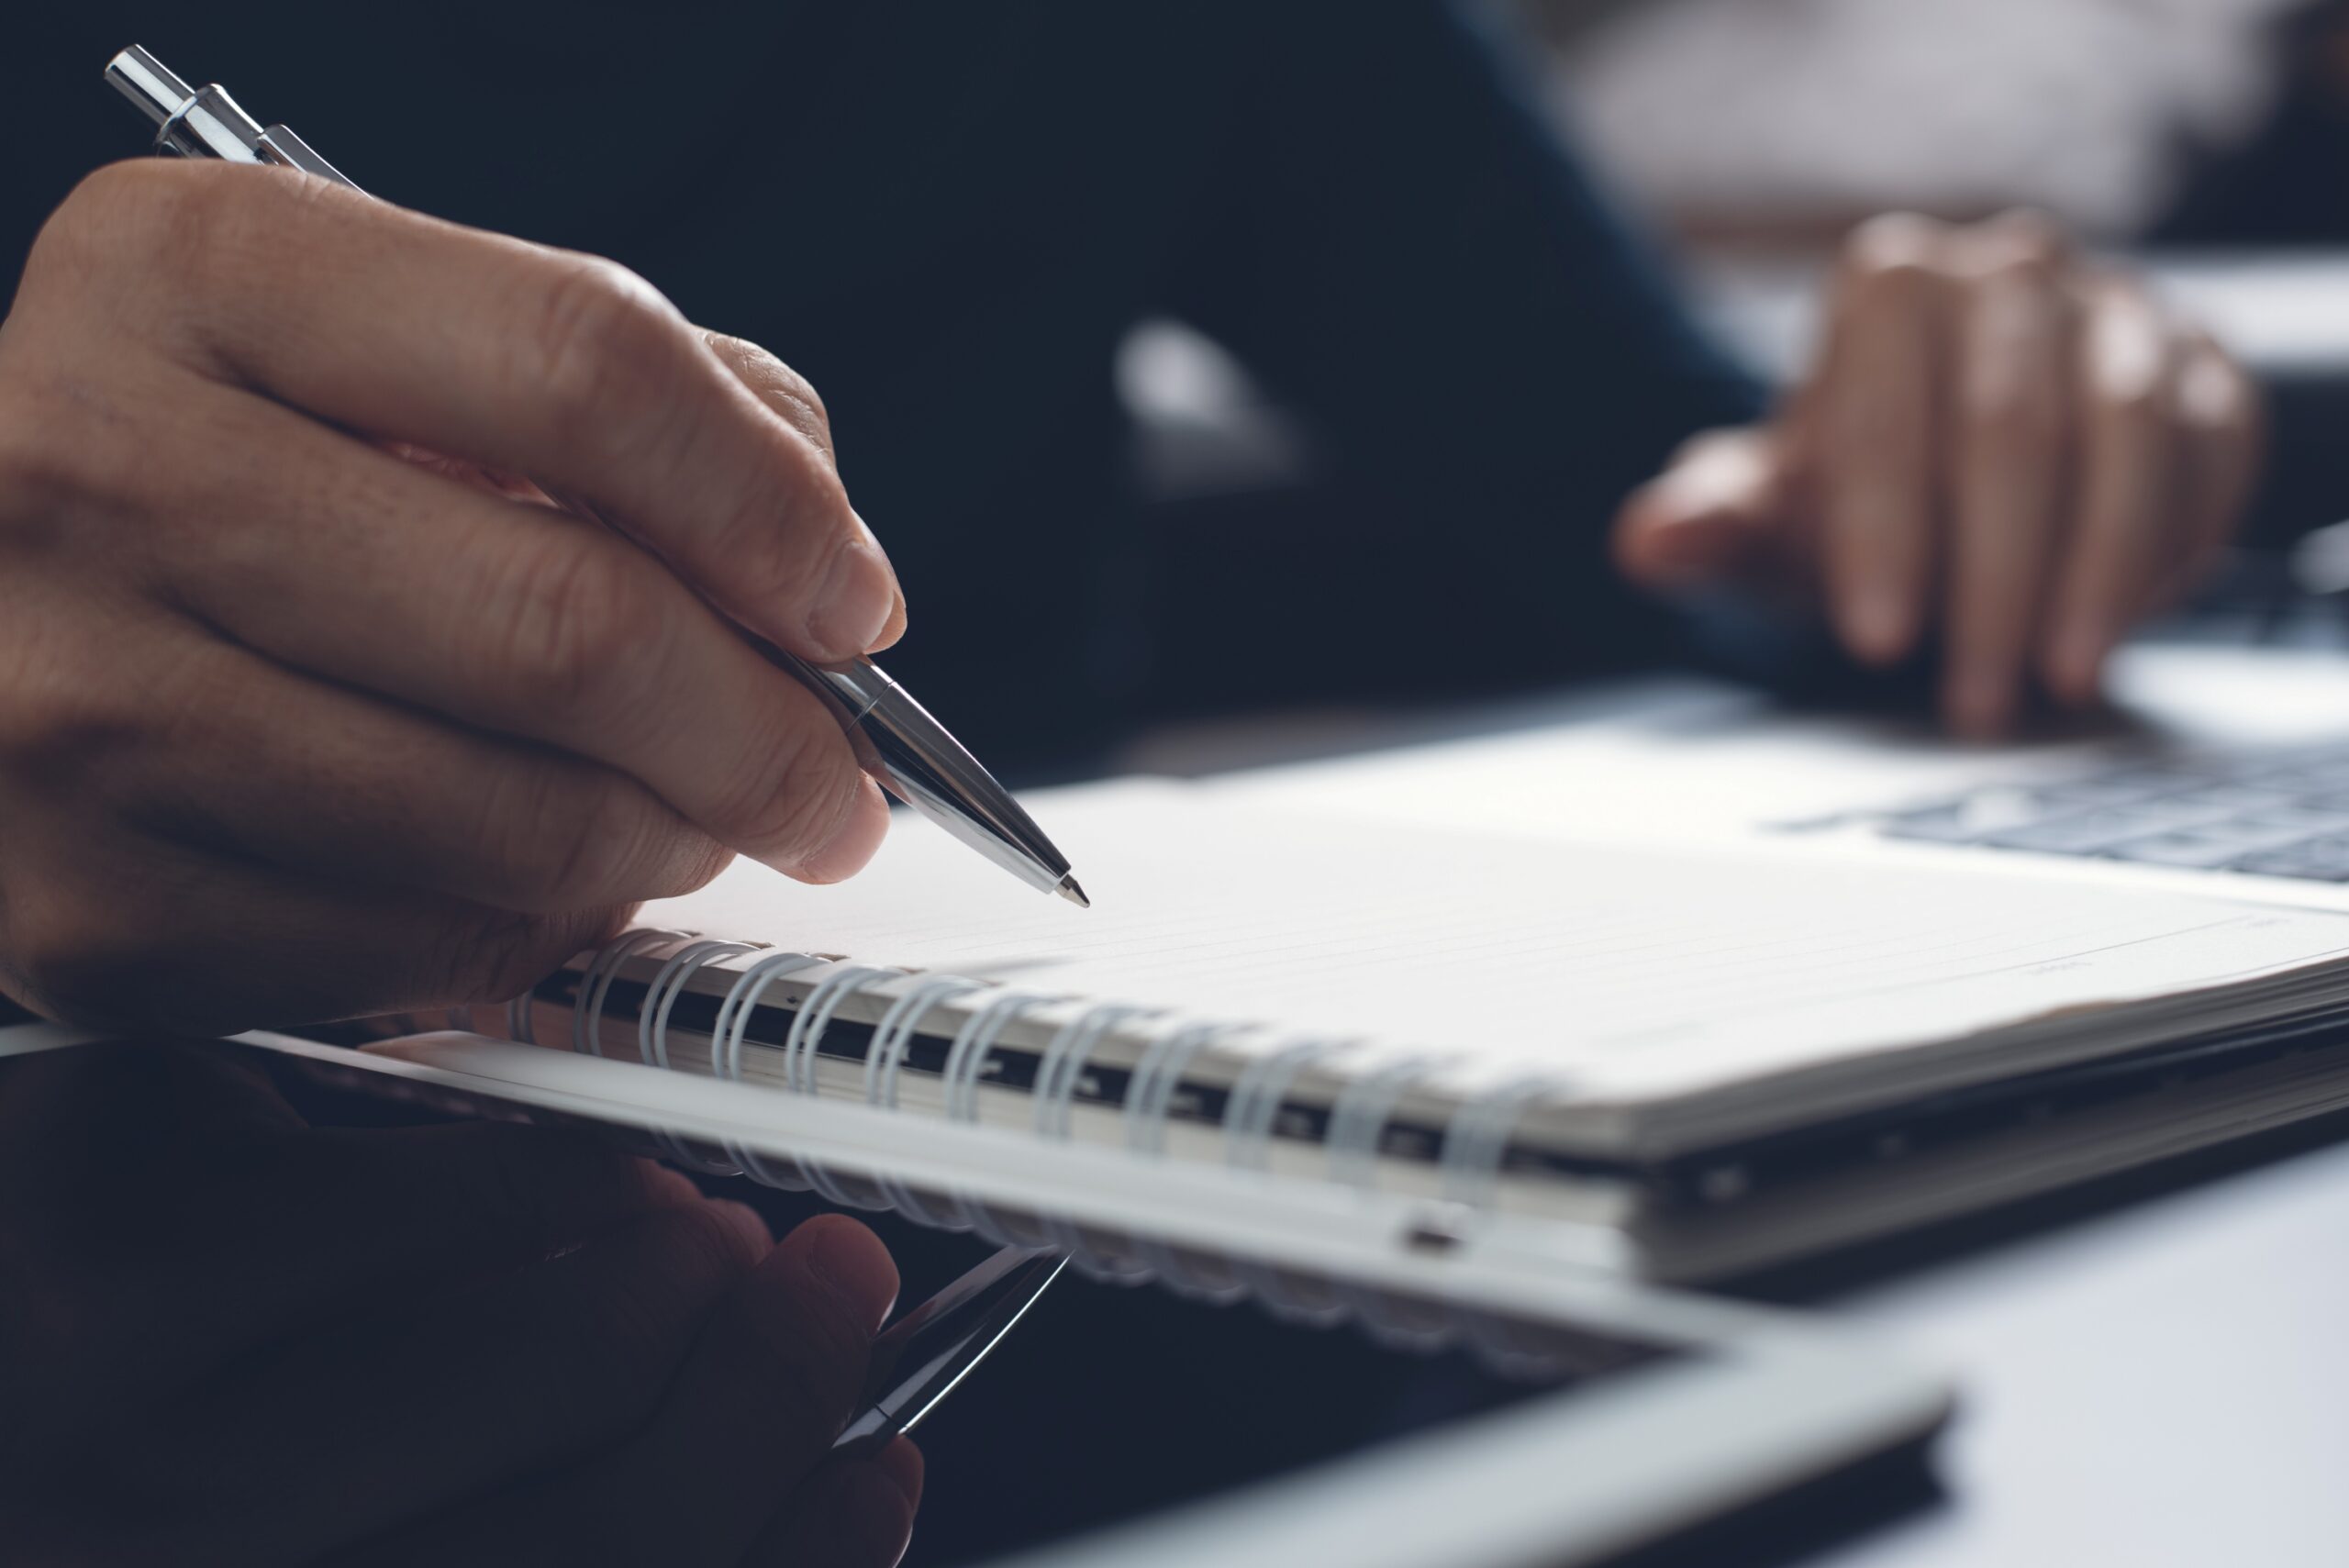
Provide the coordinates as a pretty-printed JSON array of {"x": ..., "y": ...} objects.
[
  {"x": 918, "y": 1359},
  {"x": 904, "y": 750}
]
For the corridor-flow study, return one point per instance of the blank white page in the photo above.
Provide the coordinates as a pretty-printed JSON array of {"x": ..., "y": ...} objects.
[{"x": 1641, "y": 971}]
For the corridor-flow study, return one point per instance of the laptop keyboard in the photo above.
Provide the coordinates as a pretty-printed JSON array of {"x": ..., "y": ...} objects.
[{"x": 2271, "y": 815}]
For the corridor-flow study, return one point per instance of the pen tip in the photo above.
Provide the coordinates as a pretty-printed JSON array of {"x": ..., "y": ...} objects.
[{"x": 1069, "y": 890}]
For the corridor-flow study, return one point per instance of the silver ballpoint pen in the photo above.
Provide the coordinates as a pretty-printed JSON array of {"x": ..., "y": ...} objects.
[{"x": 905, "y": 750}]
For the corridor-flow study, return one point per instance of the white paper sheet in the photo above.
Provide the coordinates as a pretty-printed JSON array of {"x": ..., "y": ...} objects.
[{"x": 1637, "y": 973}]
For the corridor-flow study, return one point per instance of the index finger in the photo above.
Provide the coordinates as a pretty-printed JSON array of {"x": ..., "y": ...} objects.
[
  {"x": 557, "y": 365},
  {"x": 2124, "y": 539},
  {"x": 2011, "y": 417},
  {"x": 1875, "y": 412}
]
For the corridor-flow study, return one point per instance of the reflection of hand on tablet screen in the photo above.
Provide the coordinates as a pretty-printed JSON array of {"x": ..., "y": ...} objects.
[{"x": 1429, "y": 1386}]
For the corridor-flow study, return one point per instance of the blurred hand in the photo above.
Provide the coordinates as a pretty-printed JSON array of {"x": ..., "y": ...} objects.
[
  {"x": 291, "y": 728},
  {"x": 2001, "y": 446},
  {"x": 226, "y": 1337}
]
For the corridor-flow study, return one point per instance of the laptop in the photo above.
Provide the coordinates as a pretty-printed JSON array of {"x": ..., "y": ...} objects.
[
  {"x": 2215, "y": 770},
  {"x": 2221, "y": 771}
]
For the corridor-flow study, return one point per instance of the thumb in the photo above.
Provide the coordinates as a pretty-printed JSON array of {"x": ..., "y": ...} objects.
[{"x": 1717, "y": 514}]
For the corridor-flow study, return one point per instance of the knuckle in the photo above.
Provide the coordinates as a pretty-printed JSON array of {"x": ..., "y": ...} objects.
[
  {"x": 715, "y": 1253},
  {"x": 2022, "y": 270},
  {"x": 2140, "y": 402},
  {"x": 149, "y": 213},
  {"x": 1895, "y": 249},
  {"x": 781, "y": 388},
  {"x": 53, "y": 725},
  {"x": 812, "y": 1360},
  {"x": 2009, "y": 411},
  {"x": 801, "y": 393},
  {"x": 603, "y": 339},
  {"x": 531, "y": 827},
  {"x": 698, "y": 867},
  {"x": 493, "y": 957},
  {"x": 51, "y": 452},
  {"x": 582, "y": 618},
  {"x": 794, "y": 791},
  {"x": 778, "y": 527},
  {"x": 2022, "y": 235},
  {"x": 579, "y": 841},
  {"x": 72, "y": 952},
  {"x": 130, "y": 208}
]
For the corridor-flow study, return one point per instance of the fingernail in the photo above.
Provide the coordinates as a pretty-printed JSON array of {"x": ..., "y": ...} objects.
[
  {"x": 855, "y": 603},
  {"x": 851, "y": 1260},
  {"x": 853, "y": 843}
]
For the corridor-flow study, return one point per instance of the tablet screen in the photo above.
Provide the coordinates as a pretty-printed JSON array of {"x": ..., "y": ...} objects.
[{"x": 1110, "y": 1403}]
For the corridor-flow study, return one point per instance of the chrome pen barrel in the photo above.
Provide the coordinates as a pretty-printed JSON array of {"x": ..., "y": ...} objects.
[
  {"x": 913, "y": 757},
  {"x": 147, "y": 81},
  {"x": 194, "y": 122},
  {"x": 204, "y": 122}
]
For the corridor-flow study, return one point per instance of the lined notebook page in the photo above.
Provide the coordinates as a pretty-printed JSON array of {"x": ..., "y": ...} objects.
[{"x": 1641, "y": 971}]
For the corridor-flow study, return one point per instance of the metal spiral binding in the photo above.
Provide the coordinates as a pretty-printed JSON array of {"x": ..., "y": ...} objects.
[
  {"x": 595, "y": 985},
  {"x": 800, "y": 1046},
  {"x": 1150, "y": 1096},
  {"x": 1358, "y": 1117},
  {"x": 1255, "y": 1100},
  {"x": 653, "y": 1034},
  {"x": 733, "y": 1021},
  {"x": 652, "y": 1018},
  {"x": 1248, "y": 1116},
  {"x": 1476, "y": 1140},
  {"x": 966, "y": 1065},
  {"x": 1475, "y": 1143},
  {"x": 1056, "y": 1078},
  {"x": 891, "y": 1038},
  {"x": 1064, "y": 1062},
  {"x": 1357, "y": 1122}
]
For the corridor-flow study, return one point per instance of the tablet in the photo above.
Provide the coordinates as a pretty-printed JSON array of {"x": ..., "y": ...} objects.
[
  {"x": 1405, "y": 1384},
  {"x": 1540, "y": 1433}
]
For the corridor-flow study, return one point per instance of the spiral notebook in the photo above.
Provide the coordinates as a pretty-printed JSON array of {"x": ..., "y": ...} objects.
[{"x": 1589, "y": 1033}]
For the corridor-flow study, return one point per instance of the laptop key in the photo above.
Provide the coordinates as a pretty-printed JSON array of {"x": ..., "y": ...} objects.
[
  {"x": 2084, "y": 832},
  {"x": 2312, "y": 860},
  {"x": 2228, "y": 795},
  {"x": 2202, "y": 848},
  {"x": 2309, "y": 821},
  {"x": 2324, "y": 778},
  {"x": 2081, "y": 794},
  {"x": 1933, "y": 825}
]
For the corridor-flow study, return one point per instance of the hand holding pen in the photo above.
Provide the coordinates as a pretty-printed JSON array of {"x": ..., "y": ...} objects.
[{"x": 377, "y": 734}]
